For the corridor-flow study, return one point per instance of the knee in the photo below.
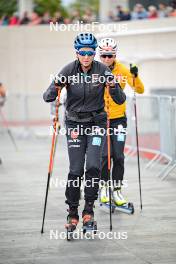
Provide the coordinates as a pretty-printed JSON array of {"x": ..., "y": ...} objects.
[
  {"x": 93, "y": 169},
  {"x": 119, "y": 158},
  {"x": 76, "y": 170}
]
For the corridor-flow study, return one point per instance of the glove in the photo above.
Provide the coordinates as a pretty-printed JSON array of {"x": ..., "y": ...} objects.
[
  {"x": 134, "y": 70},
  {"x": 109, "y": 79},
  {"x": 109, "y": 76}
]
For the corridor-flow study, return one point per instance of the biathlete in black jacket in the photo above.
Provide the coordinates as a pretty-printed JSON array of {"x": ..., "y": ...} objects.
[{"x": 85, "y": 80}]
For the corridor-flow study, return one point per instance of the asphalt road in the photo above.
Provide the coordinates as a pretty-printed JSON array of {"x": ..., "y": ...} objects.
[{"x": 147, "y": 237}]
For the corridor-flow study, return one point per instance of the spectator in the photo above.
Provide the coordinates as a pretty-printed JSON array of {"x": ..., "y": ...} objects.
[
  {"x": 46, "y": 18},
  {"x": 162, "y": 12},
  {"x": 34, "y": 19},
  {"x": 139, "y": 12},
  {"x": 58, "y": 18},
  {"x": 14, "y": 20},
  {"x": 111, "y": 16},
  {"x": 126, "y": 15},
  {"x": 122, "y": 14},
  {"x": 25, "y": 19},
  {"x": 173, "y": 11},
  {"x": 67, "y": 21},
  {"x": 75, "y": 16},
  {"x": 173, "y": 4},
  {"x": 4, "y": 21},
  {"x": 152, "y": 12},
  {"x": 88, "y": 17}
]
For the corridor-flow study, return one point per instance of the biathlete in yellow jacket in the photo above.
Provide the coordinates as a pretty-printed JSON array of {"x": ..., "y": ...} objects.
[{"x": 107, "y": 51}]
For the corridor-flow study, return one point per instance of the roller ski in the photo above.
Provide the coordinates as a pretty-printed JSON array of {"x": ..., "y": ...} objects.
[
  {"x": 72, "y": 222},
  {"x": 119, "y": 203},
  {"x": 89, "y": 224}
]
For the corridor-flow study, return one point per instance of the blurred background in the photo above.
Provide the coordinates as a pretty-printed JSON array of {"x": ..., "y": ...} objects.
[{"x": 37, "y": 41}]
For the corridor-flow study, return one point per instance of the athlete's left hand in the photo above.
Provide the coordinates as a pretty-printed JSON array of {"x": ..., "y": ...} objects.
[{"x": 134, "y": 70}]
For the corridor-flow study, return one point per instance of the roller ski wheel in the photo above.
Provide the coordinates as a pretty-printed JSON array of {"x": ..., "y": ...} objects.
[
  {"x": 127, "y": 208},
  {"x": 89, "y": 224},
  {"x": 71, "y": 227},
  {"x": 131, "y": 207},
  {"x": 107, "y": 205}
]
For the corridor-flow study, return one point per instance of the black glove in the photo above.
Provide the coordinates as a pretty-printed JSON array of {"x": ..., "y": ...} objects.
[
  {"x": 134, "y": 70},
  {"x": 109, "y": 76}
]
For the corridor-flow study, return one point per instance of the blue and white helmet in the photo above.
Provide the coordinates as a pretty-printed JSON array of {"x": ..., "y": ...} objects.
[{"x": 84, "y": 40}]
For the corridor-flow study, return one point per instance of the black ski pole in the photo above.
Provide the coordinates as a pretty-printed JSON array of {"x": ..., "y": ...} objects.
[
  {"x": 52, "y": 154},
  {"x": 137, "y": 143}
]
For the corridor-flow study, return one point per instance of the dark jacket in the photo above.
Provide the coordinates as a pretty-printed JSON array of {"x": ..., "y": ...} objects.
[{"x": 82, "y": 96}]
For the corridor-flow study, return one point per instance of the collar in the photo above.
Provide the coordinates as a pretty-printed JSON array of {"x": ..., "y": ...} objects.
[
  {"x": 80, "y": 68},
  {"x": 115, "y": 65},
  {"x": 112, "y": 66}
]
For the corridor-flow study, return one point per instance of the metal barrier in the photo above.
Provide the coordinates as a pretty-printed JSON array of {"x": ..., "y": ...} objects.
[
  {"x": 157, "y": 130},
  {"x": 168, "y": 133},
  {"x": 156, "y": 124}
]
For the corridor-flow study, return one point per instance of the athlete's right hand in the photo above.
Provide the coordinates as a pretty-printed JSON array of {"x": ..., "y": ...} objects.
[
  {"x": 57, "y": 86},
  {"x": 109, "y": 77}
]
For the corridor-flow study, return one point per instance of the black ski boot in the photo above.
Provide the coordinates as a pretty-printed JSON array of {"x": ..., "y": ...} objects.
[
  {"x": 72, "y": 221},
  {"x": 88, "y": 218}
]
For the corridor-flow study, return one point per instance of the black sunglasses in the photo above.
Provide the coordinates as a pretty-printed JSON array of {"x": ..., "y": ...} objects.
[{"x": 109, "y": 56}]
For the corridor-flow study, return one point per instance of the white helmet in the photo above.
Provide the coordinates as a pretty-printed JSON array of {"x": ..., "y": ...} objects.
[{"x": 107, "y": 46}]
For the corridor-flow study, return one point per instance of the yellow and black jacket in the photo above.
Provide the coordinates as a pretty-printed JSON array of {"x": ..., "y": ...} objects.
[{"x": 124, "y": 76}]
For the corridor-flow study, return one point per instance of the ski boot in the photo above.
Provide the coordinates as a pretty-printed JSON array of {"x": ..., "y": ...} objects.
[
  {"x": 72, "y": 221},
  {"x": 104, "y": 200},
  {"x": 104, "y": 194},
  {"x": 118, "y": 198},
  {"x": 121, "y": 203},
  {"x": 89, "y": 224}
]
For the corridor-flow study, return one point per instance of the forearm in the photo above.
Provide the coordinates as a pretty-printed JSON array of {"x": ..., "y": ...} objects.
[
  {"x": 117, "y": 94},
  {"x": 138, "y": 85},
  {"x": 50, "y": 94}
]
